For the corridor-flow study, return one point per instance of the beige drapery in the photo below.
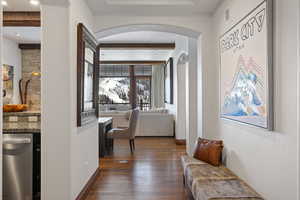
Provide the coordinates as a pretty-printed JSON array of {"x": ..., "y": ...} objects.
[{"x": 157, "y": 82}]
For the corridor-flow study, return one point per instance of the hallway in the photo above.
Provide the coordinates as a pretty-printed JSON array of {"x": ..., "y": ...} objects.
[{"x": 152, "y": 173}]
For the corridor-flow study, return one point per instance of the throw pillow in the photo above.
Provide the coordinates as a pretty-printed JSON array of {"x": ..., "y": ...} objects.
[{"x": 209, "y": 151}]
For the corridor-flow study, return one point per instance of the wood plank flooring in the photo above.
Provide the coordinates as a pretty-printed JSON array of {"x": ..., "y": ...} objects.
[{"x": 153, "y": 172}]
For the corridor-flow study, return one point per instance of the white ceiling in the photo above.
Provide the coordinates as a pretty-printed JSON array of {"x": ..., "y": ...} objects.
[
  {"x": 32, "y": 35},
  {"x": 153, "y": 7},
  {"x": 23, "y": 34},
  {"x": 133, "y": 7},
  {"x": 141, "y": 37},
  {"x": 138, "y": 37},
  {"x": 20, "y": 5}
]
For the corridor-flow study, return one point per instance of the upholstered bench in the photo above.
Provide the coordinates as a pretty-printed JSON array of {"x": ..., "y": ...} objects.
[{"x": 206, "y": 182}]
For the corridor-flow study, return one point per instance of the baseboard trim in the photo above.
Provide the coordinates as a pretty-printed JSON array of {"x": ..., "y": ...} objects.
[
  {"x": 180, "y": 142},
  {"x": 84, "y": 192}
]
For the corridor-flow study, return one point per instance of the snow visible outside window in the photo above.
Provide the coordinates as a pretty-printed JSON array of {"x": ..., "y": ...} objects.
[
  {"x": 114, "y": 87},
  {"x": 114, "y": 90},
  {"x": 144, "y": 92}
]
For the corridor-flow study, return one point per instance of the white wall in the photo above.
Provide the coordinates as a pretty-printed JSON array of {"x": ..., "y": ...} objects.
[
  {"x": 178, "y": 107},
  {"x": 191, "y": 96},
  {"x": 12, "y": 57},
  {"x": 200, "y": 92},
  {"x": 75, "y": 149},
  {"x": 84, "y": 141},
  {"x": 70, "y": 154},
  {"x": 266, "y": 160},
  {"x": 55, "y": 101}
]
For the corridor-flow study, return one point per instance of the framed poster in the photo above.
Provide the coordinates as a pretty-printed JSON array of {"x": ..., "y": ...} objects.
[
  {"x": 8, "y": 84},
  {"x": 246, "y": 77},
  {"x": 87, "y": 76},
  {"x": 169, "y": 82}
]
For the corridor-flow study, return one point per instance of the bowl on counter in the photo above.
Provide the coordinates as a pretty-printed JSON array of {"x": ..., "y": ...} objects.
[{"x": 15, "y": 107}]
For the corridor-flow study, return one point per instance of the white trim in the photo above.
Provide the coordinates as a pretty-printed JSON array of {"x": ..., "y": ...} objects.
[{"x": 147, "y": 27}]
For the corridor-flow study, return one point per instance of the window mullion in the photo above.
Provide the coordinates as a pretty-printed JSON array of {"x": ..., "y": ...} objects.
[{"x": 132, "y": 87}]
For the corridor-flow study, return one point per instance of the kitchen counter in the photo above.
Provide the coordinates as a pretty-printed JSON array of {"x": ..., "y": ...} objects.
[
  {"x": 22, "y": 122},
  {"x": 21, "y": 114},
  {"x": 21, "y": 127}
]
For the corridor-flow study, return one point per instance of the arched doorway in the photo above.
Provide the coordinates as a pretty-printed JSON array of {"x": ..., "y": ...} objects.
[{"x": 187, "y": 109}]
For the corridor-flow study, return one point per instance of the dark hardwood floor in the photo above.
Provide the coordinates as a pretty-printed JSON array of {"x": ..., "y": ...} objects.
[{"x": 153, "y": 172}]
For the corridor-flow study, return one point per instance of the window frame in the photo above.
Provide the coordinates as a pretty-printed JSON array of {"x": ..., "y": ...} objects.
[
  {"x": 115, "y": 77},
  {"x": 135, "y": 77},
  {"x": 150, "y": 79}
]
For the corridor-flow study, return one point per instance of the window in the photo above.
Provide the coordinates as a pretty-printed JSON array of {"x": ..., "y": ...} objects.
[
  {"x": 143, "y": 86},
  {"x": 114, "y": 70},
  {"x": 115, "y": 87},
  {"x": 114, "y": 90},
  {"x": 143, "y": 76}
]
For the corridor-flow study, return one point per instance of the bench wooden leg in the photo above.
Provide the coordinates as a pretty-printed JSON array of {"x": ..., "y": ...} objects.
[{"x": 131, "y": 146}]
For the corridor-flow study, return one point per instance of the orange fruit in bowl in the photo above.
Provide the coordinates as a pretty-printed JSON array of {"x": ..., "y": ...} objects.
[
  {"x": 15, "y": 107},
  {"x": 21, "y": 107},
  {"x": 8, "y": 108}
]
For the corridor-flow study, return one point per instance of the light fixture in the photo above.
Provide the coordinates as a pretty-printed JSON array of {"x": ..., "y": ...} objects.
[
  {"x": 34, "y": 2},
  {"x": 35, "y": 74},
  {"x": 4, "y": 3},
  {"x": 18, "y": 34}
]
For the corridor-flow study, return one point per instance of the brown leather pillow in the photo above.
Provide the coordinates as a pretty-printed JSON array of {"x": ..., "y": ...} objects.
[{"x": 209, "y": 151}]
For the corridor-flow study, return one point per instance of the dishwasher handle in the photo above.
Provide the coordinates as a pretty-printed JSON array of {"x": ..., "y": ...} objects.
[{"x": 17, "y": 141}]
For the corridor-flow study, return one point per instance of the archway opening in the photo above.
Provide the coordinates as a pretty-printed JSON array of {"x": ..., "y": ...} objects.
[{"x": 186, "y": 112}]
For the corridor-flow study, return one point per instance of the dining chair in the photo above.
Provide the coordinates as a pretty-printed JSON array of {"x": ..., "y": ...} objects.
[{"x": 126, "y": 132}]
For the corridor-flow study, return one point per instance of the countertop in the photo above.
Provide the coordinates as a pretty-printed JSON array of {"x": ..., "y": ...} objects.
[
  {"x": 22, "y": 122},
  {"x": 25, "y": 113},
  {"x": 21, "y": 127}
]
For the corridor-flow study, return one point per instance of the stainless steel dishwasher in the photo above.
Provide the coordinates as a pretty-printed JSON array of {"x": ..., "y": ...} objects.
[{"x": 17, "y": 166}]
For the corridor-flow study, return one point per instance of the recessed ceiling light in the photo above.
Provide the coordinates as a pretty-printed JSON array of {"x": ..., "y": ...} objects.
[
  {"x": 34, "y": 2},
  {"x": 4, "y": 3}
]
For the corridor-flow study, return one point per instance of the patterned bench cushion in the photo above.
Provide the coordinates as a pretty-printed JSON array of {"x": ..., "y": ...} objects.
[
  {"x": 207, "y": 172},
  {"x": 234, "y": 189},
  {"x": 207, "y": 182},
  {"x": 190, "y": 161}
]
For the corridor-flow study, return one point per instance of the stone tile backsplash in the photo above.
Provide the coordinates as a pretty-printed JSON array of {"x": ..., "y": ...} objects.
[{"x": 31, "y": 62}]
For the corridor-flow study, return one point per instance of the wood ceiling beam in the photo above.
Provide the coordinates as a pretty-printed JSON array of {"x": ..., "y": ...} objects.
[
  {"x": 133, "y": 62},
  {"x": 30, "y": 46},
  {"x": 22, "y": 19},
  {"x": 137, "y": 45}
]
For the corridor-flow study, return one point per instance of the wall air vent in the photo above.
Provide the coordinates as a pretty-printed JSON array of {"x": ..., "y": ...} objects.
[{"x": 150, "y": 2}]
